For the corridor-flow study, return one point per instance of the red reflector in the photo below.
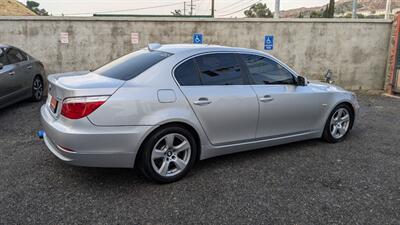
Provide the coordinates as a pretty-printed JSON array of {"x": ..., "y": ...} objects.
[
  {"x": 77, "y": 108},
  {"x": 65, "y": 149}
]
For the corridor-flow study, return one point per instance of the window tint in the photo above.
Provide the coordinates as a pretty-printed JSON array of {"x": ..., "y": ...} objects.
[
  {"x": 266, "y": 71},
  {"x": 24, "y": 56},
  {"x": 131, "y": 65},
  {"x": 3, "y": 58},
  {"x": 187, "y": 74},
  {"x": 15, "y": 56},
  {"x": 219, "y": 69}
]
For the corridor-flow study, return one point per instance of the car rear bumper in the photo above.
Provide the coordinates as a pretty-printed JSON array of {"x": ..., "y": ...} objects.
[{"x": 81, "y": 143}]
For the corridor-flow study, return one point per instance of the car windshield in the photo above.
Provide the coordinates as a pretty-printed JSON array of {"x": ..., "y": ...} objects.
[{"x": 131, "y": 65}]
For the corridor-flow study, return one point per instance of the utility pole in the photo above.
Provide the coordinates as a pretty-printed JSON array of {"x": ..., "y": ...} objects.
[
  {"x": 388, "y": 10},
  {"x": 354, "y": 14},
  {"x": 184, "y": 8},
  {"x": 191, "y": 7},
  {"x": 277, "y": 8},
  {"x": 212, "y": 8}
]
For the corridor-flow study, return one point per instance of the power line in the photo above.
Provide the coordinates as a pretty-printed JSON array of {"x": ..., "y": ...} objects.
[
  {"x": 125, "y": 10},
  {"x": 242, "y": 9},
  {"x": 235, "y": 5}
]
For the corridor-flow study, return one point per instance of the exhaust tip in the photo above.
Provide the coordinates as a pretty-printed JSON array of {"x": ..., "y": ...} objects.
[{"x": 41, "y": 134}]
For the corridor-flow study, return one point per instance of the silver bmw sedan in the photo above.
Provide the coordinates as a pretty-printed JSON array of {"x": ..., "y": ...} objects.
[{"x": 167, "y": 106}]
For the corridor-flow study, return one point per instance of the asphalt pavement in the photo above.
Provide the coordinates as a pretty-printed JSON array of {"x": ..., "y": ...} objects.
[{"x": 354, "y": 182}]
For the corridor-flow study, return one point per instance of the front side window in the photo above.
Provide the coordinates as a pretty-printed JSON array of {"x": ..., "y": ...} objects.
[
  {"x": 187, "y": 74},
  {"x": 131, "y": 65},
  {"x": 3, "y": 57},
  {"x": 15, "y": 56},
  {"x": 219, "y": 69},
  {"x": 265, "y": 71}
]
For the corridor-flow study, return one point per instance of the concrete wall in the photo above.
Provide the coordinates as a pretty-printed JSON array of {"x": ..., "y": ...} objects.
[{"x": 356, "y": 51}]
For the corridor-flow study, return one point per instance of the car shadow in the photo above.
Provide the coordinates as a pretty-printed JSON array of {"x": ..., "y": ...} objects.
[{"x": 131, "y": 177}]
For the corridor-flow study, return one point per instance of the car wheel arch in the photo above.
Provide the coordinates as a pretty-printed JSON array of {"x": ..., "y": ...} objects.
[
  {"x": 351, "y": 107},
  {"x": 40, "y": 77},
  {"x": 187, "y": 126}
]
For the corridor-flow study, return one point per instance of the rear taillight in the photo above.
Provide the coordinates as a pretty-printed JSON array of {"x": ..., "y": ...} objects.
[{"x": 76, "y": 108}]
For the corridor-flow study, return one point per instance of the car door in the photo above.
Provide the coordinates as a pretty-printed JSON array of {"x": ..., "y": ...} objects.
[
  {"x": 6, "y": 76},
  {"x": 285, "y": 107},
  {"x": 28, "y": 71},
  {"x": 219, "y": 94},
  {"x": 19, "y": 77}
]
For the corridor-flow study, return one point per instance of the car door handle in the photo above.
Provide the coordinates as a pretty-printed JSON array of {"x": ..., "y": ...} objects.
[
  {"x": 202, "y": 101},
  {"x": 11, "y": 73},
  {"x": 29, "y": 67},
  {"x": 266, "y": 98}
]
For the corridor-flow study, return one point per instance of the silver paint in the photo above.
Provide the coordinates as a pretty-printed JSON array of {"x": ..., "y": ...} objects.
[{"x": 227, "y": 119}]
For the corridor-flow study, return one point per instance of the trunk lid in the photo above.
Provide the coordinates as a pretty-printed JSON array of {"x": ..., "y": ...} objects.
[{"x": 79, "y": 84}]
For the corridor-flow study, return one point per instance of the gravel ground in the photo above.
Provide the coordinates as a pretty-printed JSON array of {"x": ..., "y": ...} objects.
[{"x": 311, "y": 182}]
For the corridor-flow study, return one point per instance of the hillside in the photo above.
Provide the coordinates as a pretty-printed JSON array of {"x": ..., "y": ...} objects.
[
  {"x": 14, "y": 8},
  {"x": 342, "y": 6}
]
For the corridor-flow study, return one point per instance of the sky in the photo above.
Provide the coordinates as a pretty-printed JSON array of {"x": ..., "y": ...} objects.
[{"x": 223, "y": 8}]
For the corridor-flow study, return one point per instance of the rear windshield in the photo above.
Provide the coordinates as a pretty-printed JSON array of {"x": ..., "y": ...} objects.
[{"x": 131, "y": 65}]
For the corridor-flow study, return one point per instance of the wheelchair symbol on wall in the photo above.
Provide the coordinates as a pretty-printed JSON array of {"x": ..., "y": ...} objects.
[
  {"x": 197, "y": 38},
  {"x": 268, "y": 42}
]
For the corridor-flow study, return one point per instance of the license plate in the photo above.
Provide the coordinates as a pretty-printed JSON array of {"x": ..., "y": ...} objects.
[{"x": 53, "y": 104}]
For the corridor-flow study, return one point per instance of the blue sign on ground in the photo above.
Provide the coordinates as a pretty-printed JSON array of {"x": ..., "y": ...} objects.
[
  {"x": 269, "y": 42},
  {"x": 197, "y": 38}
]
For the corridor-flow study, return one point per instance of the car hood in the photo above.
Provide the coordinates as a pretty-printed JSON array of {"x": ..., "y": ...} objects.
[
  {"x": 82, "y": 83},
  {"x": 325, "y": 86}
]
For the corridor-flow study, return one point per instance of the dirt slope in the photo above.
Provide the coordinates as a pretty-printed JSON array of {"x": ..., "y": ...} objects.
[{"x": 14, "y": 8}]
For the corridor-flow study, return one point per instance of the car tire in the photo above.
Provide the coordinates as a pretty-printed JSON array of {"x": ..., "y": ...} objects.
[
  {"x": 339, "y": 123},
  {"x": 168, "y": 154},
  {"x": 37, "y": 89}
]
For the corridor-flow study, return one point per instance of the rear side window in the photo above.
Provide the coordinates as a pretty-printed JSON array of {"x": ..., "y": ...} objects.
[
  {"x": 131, "y": 65},
  {"x": 3, "y": 57},
  {"x": 187, "y": 74},
  {"x": 15, "y": 56},
  {"x": 265, "y": 71},
  {"x": 219, "y": 69}
]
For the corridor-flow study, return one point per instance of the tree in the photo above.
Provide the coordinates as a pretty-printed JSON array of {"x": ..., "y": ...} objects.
[
  {"x": 259, "y": 10},
  {"x": 177, "y": 12},
  {"x": 34, "y": 7},
  {"x": 32, "y": 4},
  {"x": 300, "y": 15},
  {"x": 329, "y": 11},
  {"x": 316, "y": 14}
]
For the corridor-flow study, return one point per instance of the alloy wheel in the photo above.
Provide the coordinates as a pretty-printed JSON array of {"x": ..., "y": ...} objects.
[
  {"x": 37, "y": 89},
  {"x": 340, "y": 122},
  {"x": 171, "y": 155}
]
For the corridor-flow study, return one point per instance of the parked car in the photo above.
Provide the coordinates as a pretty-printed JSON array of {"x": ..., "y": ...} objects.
[
  {"x": 168, "y": 106},
  {"x": 21, "y": 76}
]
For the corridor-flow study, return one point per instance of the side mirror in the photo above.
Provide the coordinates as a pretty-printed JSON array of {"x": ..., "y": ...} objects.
[
  {"x": 301, "y": 81},
  {"x": 328, "y": 77},
  {"x": 1, "y": 66}
]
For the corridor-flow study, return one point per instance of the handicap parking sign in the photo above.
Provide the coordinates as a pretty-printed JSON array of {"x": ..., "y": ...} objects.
[
  {"x": 269, "y": 42},
  {"x": 197, "y": 38}
]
